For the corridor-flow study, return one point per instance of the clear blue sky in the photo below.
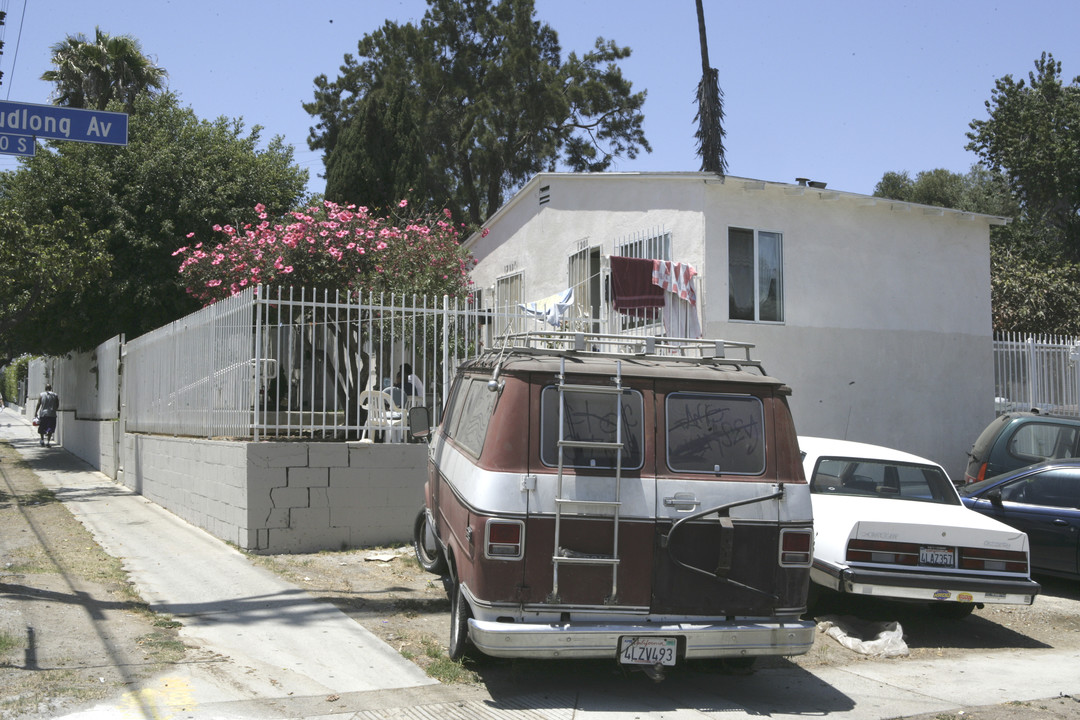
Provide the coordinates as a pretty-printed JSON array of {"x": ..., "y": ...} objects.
[{"x": 839, "y": 91}]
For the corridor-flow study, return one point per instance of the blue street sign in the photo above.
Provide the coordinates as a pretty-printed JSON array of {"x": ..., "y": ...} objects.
[
  {"x": 63, "y": 123},
  {"x": 17, "y": 145}
]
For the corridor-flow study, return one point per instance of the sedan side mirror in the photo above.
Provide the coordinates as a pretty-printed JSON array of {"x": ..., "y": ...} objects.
[{"x": 994, "y": 496}]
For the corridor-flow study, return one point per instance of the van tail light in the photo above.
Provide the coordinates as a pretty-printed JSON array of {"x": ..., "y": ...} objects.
[
  {"x": 796, "y": 547},
  {"x": 504, "y": 540},
  {"x": 1013, "y": 561}
]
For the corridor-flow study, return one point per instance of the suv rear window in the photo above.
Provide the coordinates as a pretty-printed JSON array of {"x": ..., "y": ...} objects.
[
  {"x": 590, "y": 417},
  {"x": 713, "y": 433},
  {"x": 1034, "y": 442}
]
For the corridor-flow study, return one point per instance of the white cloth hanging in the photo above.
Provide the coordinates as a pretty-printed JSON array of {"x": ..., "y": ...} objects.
[{"x": 552, "y": 308}]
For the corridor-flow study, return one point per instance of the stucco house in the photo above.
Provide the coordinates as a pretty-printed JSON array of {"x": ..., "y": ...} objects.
[{"x": 875, "y": 312}]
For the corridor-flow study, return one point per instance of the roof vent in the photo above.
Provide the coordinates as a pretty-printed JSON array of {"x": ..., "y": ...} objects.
[
  {"x": 802, "y": 181},
  {"x": 817, "y": 184}
]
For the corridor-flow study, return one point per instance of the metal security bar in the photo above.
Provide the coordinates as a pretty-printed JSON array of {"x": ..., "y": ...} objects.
[
  {"x": 1037, "y": 372},
  {"x": 193, "y": 376}
]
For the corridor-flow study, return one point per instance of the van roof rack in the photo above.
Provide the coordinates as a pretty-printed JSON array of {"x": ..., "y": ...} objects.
[{"x": 694, "y": 350}]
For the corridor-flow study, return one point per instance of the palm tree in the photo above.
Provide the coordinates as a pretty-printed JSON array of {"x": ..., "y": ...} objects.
[
  {"x": 710, "y": 113},
  {"x": 91, "y": 74}
]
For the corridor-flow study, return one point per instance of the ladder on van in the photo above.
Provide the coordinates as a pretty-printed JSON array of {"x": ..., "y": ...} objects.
[{"x": 581, "y": 508}]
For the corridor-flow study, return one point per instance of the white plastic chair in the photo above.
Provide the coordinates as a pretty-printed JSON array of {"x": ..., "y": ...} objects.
[{"x": 383, "y": 415}]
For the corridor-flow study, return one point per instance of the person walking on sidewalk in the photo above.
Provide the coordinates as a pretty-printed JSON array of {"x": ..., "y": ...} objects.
[{"x": 45, "y": 412}]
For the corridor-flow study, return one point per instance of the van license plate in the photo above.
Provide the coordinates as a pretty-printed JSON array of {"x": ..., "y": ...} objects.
[
  {"x": 936, "y": 556},
  {"x": 648, "y": 650}
]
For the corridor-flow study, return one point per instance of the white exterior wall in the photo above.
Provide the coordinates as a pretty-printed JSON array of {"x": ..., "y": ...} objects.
[
  {"x": 887, "y": 332},
  {"x": 91, "y": 440}
]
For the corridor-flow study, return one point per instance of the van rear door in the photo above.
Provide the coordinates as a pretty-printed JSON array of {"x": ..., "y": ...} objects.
[{"x": 722, "y": 515}]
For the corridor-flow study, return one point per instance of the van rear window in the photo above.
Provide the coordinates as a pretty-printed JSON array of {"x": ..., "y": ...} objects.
[
  {"x": 717, "y": 434},
  {"x": 590, "y": 417}
]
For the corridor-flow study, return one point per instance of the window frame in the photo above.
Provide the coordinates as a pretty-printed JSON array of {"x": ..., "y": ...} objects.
[{"x": 756, "y": 266}]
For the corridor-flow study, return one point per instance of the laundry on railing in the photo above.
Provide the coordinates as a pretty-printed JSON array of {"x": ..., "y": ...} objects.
[{"x": 552, "y": 308}]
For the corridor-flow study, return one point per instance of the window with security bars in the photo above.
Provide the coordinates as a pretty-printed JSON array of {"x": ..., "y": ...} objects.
[
  {"x": 508, "y": 295},
  {"x": 652, "y": 245},
  {"x": 645, "y": 245}
]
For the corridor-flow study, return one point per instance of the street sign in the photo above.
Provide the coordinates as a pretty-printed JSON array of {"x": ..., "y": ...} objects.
[
  {"x": 63, "y": 123},
  {"x": 17, "y": 145}
]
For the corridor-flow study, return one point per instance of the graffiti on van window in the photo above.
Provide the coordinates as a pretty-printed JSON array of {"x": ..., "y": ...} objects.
[
  {"x": 594, "y": 419},
  {"x": 710, "y": 434}
]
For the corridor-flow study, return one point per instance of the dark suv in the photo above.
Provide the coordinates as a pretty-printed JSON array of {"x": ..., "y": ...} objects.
[{"x": 1017, "y": 439}]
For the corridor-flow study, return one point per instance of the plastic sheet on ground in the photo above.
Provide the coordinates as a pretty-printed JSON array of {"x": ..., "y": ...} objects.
[{"x": 879, "y": 639}]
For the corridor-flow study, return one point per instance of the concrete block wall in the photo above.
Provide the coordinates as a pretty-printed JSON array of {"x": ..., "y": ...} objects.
[
  {"x": 91, "y": 440},
  {"x": 275, "y": 497}
]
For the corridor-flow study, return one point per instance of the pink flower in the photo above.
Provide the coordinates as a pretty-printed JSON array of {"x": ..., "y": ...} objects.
[{"x": 403, "y": 203}]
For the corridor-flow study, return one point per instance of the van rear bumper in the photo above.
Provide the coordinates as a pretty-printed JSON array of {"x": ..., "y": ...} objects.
[{"x": 601, "y": 640}]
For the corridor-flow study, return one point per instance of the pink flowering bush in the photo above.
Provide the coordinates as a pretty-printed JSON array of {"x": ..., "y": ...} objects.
[{"x": 331, "y": 247}]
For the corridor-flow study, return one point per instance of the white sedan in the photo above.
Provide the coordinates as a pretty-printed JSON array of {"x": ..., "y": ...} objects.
[{"x": 891, "y": 525}]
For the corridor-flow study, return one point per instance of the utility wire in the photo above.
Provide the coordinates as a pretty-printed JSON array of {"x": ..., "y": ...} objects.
[{"x": 15, "y": 58}]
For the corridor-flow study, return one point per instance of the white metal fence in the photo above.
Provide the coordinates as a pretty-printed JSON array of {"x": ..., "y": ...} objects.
[
  {"x": 1040, "y": 372},
  {"x": 296, "y": 363}
]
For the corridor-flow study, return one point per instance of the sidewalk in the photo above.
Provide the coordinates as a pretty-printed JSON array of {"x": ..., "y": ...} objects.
[
  {"x": 281, "y": 655},
  {"x": 287, "y": 644}
]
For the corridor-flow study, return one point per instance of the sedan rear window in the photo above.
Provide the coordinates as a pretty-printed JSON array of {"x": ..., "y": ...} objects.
[{"x": 881, "y": 478}]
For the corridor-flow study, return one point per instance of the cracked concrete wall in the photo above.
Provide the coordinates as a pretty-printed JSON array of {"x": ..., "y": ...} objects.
[{"x": 283, "y": 497}]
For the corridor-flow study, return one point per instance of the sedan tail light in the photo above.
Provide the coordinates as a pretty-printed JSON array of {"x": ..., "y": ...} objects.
[
  {"x": 1014, "y": 561},
  {"x": 878, "y": 551}
]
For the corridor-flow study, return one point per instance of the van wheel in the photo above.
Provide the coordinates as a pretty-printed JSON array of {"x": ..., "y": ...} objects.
[
  {"x": 952, "y": 610},
  {"x": 426, "y": 546},
  {"x": 459, "y": 626}
]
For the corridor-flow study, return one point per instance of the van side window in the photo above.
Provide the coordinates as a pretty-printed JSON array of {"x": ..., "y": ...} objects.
[
  {"x": 589, "y": 417},
  {"x": 469, "y": 414},
  {"x": 714, "y": 434}
]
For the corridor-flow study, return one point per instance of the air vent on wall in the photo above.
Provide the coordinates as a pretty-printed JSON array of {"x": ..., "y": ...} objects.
[{"x": 545, "y": 194}]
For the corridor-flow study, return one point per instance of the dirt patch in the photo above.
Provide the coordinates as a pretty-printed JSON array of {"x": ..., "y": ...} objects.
[{"x": 72, "y": 630}]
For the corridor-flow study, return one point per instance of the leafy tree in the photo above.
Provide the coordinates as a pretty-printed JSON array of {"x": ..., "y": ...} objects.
[
  {"x": 462, "y": 108},
  {"x": 177, "y": 173},
  {"x": 1032, "y": 136},
  {"x": 979, "y": 190},
  {"x": 93, "y": 74},
  {"x": 35, "y": 266},
  {"x": 710, "y": 113}
]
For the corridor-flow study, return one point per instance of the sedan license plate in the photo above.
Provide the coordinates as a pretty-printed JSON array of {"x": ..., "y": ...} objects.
[
  {"x": 936, "y": 557},
  {"x": 648, "y": 650}
]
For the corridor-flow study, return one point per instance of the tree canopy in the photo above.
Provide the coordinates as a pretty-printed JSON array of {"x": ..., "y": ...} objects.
[
  {"x": 92, "y": 74},
  {"x": 462, "y": 108},
  {"x": 1029, "y": 171},
  {"x": 134, "y": 205},
  {"x": 1032, "y": 135}
]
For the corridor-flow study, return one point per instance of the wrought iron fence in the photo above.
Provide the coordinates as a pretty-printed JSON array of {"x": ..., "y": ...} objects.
[
  {"x": 1037, "y": 372},
  {"x": 295, "y": 363}
]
